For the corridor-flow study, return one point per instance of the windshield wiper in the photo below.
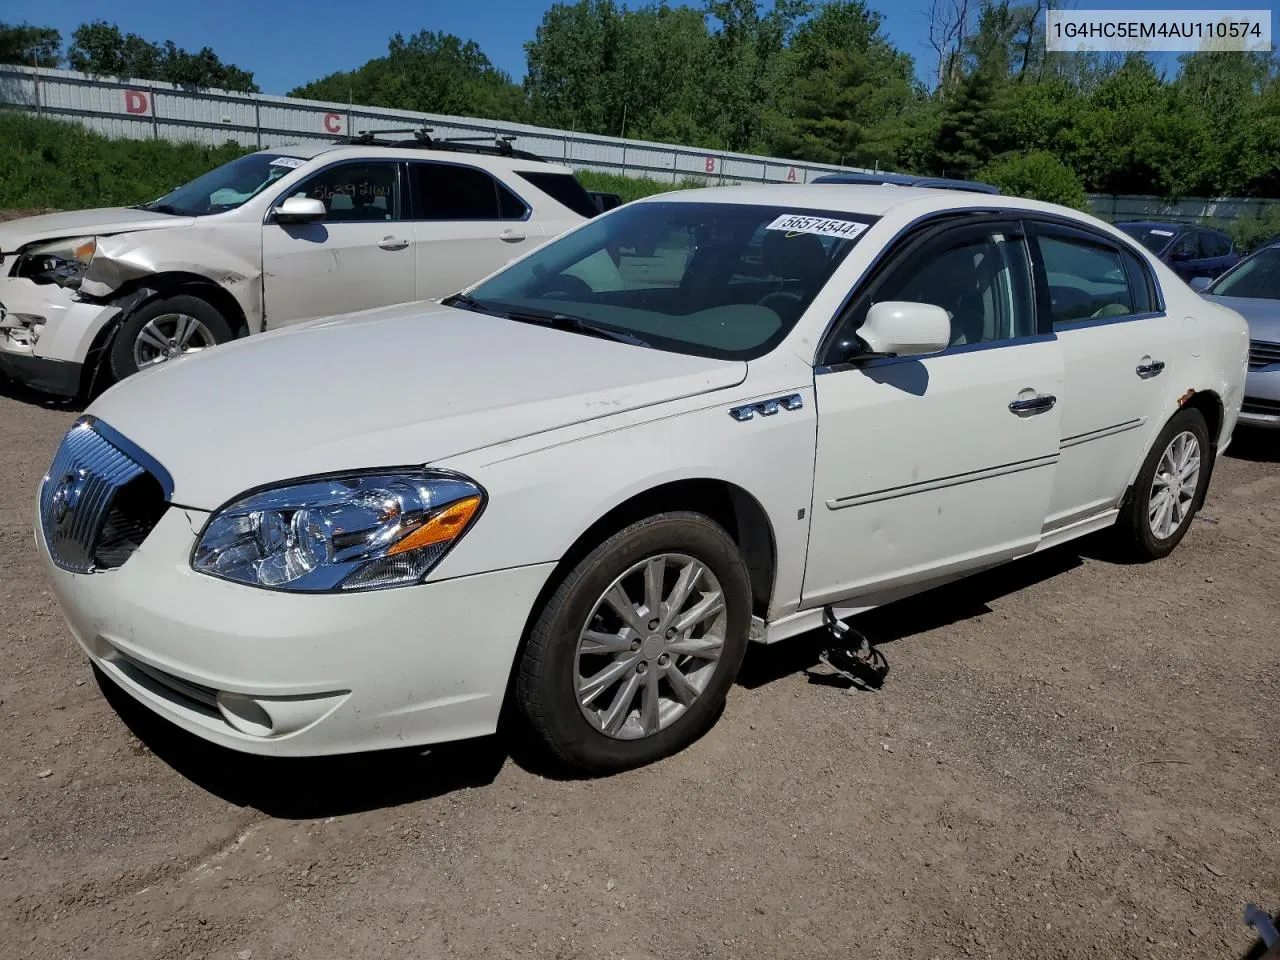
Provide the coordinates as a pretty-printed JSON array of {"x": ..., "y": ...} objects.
[
  {"x": 162, "y": 208},
  {"x": 557, "y": 321}
]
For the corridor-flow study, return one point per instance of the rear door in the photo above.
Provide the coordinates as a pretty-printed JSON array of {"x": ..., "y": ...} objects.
[
  {"x": 466, "y": 224},
  {"x": 359, "y": 256},
  {"x": 1120, "y": 351}
]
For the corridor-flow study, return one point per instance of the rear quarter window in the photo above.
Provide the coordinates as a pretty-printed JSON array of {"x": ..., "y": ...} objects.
[{"x": 563, "y": 188}]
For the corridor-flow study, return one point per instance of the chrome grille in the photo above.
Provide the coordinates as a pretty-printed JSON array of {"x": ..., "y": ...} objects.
[
  {"x": 1262, "y": 354},
  {"x": 78, "y": 492}
]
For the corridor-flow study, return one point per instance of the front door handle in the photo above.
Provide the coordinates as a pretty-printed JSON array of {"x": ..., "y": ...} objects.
[
  {"x": 1148, "y": 370},
  {"x": 511, "y": 236},
  {"x": 393, "y": 243},
  {"x": 1032, "y": 405}
]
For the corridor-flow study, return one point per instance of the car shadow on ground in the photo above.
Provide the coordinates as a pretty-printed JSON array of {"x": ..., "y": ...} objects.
[
  {"x": 940, "y": 607},
  {"x": 12, "y": 390},
  {"x": 1257, "y": 446}
]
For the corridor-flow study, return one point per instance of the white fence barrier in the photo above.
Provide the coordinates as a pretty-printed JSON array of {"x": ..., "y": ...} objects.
[{"x": 147, "y": 110}]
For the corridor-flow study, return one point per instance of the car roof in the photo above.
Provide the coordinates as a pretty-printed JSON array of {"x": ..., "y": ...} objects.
[
  {"x": 1176, "y": 225},
  {"x": 364, "y": 151},
  {"x": 908, "y": 180},
  {"x": 866, "y": 200}
]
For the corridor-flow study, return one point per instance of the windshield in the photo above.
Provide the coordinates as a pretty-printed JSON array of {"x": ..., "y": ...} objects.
[
  {"x": 723, "y": 280},
  {"x": 1258, "y": 277},
  {"x": 226, "y": 187},
  {"x": 1154, "y": 239}
]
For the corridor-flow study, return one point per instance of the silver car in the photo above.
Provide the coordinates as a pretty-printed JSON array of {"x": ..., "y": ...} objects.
[{"x": 1252, "y": 288}]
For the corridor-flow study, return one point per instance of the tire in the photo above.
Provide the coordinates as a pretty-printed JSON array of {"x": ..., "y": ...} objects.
[
  {"x": 1136, "y": 534},
  {"x": 161, "y": 316},
  {"x": 661, "y": 717}
]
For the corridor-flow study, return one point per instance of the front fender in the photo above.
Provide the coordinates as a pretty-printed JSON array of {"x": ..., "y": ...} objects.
[{"x": 541, "y": 502}]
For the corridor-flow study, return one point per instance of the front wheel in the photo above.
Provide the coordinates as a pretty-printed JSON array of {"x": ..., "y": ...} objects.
[
  {"x": 166, "y": 329},
  {"x": 1168, "y": 491},
  {"x": 632, "y": 657}
]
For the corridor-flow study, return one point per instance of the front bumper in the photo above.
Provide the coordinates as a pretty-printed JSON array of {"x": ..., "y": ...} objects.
[
  {"x": 68, "y": 329},
  {"x": 1261, "y": 407},
  {"x": 284, "y": 674}
]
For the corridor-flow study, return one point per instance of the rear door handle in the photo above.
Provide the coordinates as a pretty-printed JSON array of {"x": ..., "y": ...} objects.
[
  {"x": 1148, "y": 370},
  {"x": 511, "y": 236},
  {"x": 1031, "y": 405},
  {"x": 393, "y": 243}
]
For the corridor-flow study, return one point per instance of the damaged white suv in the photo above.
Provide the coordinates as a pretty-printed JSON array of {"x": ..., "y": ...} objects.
[{"x": 266, "y": 240}]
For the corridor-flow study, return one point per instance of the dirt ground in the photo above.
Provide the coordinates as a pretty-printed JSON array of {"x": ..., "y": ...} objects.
[{"x": 1070, "y": 758}]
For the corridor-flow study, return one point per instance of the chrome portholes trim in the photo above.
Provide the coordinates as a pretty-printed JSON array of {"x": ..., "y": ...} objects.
[{"x": 766, "y": 408}]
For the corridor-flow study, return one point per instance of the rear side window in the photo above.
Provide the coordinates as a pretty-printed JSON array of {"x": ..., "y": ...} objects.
[
  {"x": 1141, "y": 284},
  {"x": 1214, "y": 244},
  {"x": 565, "y": 189},
  {"x": 443, "y": 191},
  {"x": 1088, "y": 280}
]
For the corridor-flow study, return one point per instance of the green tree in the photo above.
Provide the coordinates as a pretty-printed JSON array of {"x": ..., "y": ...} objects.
[
  {"x": 29, "y": 45},
  {"x": 429, "y": 72},
  {"x": 1036, "y": 175},
  {"x": 101, "y": 48}
]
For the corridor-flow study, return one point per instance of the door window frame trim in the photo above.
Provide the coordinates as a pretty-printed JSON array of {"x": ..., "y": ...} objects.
[
  {"x": 972, "y": 215},
  {"x": 497, "y": 197},
  {"x": 269, "y": 218},
  {"x": 1038, "y": 225}
]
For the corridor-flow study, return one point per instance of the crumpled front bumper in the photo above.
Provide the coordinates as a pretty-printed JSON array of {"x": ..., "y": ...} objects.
[{"x": 46, "y": 335}]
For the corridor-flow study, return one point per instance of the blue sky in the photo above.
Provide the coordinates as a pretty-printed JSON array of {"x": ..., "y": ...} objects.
[{"x": 305, "y": 39}]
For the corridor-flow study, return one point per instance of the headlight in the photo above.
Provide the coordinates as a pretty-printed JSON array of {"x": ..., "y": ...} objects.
[
  {"x": 62, "y": 262},
  {"x": 360, "y": 532}
]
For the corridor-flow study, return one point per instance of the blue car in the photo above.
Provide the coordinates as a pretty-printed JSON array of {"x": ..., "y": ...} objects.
[
  {"x": 1191, "y": 251},
  {"x": 1252, "y": 289}
]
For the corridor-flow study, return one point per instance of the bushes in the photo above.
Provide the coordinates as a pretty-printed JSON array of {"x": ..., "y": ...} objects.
[
  {"x": 1037, "y": 175},
  {"x": 628, "y": 188},
  {"x": 50, "y": 163}
]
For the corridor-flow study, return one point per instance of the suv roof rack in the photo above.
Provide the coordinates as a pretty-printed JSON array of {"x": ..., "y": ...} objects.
[
  {"x": 908, "y": 180},
  {"x": 498, "y": 145}
]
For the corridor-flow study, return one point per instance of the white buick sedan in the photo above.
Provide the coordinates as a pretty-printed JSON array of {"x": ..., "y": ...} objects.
[{"x": 581, "y": 487}]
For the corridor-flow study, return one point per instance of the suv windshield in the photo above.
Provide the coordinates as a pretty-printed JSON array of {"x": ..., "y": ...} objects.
[
  {"x": 1154, "y": 239},
  {"x": 225, "y": 187},
  {"x": 720, "y": 280},
  {"x": 1257, "y": 278}
]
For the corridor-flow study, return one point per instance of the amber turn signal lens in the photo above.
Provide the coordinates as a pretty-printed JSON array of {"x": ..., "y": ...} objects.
[{"x": 445, "y": 525}]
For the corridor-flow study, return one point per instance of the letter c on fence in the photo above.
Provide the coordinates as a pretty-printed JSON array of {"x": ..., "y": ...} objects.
[
  {"x": 135, "y": 101},
  {"x": 333, "y": 122}
]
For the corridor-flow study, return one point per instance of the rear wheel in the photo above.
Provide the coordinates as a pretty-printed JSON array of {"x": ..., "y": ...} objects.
[
  {"x": 1168, "y": 491},
  {"x": 633, "y": 655},
  {"x": 166, "y": 329}
]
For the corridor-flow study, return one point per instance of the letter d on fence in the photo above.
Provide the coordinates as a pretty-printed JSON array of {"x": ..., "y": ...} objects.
[{"x": 135, "y": 101}]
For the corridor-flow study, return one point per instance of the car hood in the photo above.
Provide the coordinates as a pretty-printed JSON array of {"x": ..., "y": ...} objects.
[
  {"x": 74, "y": 223},
  {"x": 390, "y": 387},
  {"x": 1263, "y": 315}
]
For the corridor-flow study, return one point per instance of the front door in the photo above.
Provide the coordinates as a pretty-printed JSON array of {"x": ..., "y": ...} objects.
[
  {"x": 927, "y": 467},
  {"x": 1120, "y": 350},
  {"x": 359, "y": 256}
]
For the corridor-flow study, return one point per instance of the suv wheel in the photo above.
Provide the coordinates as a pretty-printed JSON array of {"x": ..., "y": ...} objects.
[
  {"x": 164, "y": 330},
  {"x": 632, "y": 657}
]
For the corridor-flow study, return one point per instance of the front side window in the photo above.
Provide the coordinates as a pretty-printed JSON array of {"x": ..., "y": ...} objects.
[
  {"x": 981, "y": 278},
  {"x": 226, "y": 187},
  {"x": 1087, "y": 280},
  {"x": 1258, "y": 277},
  {"x": 1187, "y": 247},
  {"x": 355, "y": 192},
  {"x": 443, "y": 191},
  {"x": 714, "y": 279}
]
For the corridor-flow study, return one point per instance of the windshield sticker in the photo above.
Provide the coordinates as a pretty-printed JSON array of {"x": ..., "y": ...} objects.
[
  {"x": 290, "y": 162},
  {"x": 795, "y": 224},
  {"x": 1163, "y": 233}
]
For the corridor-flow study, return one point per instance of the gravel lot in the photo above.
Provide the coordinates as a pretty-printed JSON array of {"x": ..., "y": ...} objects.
[{"x": 1070, "y": 758}]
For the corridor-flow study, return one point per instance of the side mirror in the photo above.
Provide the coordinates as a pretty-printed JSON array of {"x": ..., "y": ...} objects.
[
  {"x": 1200, "y": 284},
  {"x": 904, "y": 329},
  {"x": 300, "y": 210}
]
